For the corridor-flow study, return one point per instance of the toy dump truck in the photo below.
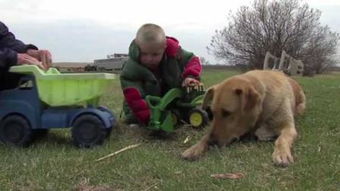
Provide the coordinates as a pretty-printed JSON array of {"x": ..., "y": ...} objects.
[
  {"x": 177, "y": 105},
  {"x": 40, "y": 100}
]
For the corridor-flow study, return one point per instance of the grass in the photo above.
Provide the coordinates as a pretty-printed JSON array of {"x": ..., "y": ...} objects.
[{"x": 53, "y": 163}]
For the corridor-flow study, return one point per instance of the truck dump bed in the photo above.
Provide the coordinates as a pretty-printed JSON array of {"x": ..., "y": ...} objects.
[{"x": 65, "y": 89}]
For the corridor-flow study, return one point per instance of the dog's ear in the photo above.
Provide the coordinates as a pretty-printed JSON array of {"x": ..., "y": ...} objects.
[
  {"x": 249, "y": 97},
  {"x": 208, "y": 97}
]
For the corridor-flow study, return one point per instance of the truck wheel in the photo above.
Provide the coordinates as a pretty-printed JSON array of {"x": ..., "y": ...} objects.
[
  {"x": 15, "y": 130},
  {"x": 108, "y": 132},
  {"x": 198, "y": 118},
  {"x": 88, "y": 131}
]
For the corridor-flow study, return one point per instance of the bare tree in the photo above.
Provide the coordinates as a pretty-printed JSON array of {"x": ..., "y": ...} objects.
[{"x": 275, "y": 26}]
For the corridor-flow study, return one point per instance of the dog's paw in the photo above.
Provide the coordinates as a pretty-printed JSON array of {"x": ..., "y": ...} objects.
[
  {"x": 193, "y": 153},
  {"x": 282, "y": 158}
]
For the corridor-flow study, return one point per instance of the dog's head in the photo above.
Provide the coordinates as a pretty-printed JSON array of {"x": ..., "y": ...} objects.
[{"x": 236, "y": 105}]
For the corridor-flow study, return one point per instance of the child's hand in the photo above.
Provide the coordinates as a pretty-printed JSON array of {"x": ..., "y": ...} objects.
[{"x": 188, "y": 82}]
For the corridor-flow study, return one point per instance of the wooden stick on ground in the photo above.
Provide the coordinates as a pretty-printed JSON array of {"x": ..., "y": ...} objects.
[{"x": 119, "y": 151}]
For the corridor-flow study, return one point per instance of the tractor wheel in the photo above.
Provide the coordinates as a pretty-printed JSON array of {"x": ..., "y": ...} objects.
[
  {"x": 88, "y": 131},
  {"x": 176, "y": 117},
  {"x": 198, "y": 118},
  {"x": 15, "y": 130},
  {"x": 210, "y": 114}
]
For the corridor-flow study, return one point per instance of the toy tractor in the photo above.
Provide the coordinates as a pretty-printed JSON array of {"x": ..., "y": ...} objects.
[
  {"x": 41, "y": 100},
  {"x": 176, "y": 106}
]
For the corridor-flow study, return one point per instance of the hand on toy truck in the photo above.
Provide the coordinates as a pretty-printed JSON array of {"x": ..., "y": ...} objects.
[{"x": 191, "y": 83}]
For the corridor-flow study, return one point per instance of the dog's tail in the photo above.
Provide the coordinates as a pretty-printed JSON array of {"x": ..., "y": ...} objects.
[{"x": 300, "y": 98}]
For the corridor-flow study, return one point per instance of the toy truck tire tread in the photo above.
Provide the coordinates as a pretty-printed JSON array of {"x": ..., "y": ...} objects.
[
  {"x": 15, "y": 130},
  {"x": 88, "y": 131}
]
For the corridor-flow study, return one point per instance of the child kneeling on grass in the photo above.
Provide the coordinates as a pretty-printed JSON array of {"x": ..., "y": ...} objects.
[{"x": 156, "y": 64}]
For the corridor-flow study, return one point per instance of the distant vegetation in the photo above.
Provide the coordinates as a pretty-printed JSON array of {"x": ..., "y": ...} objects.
[{"x": 274, "y": 26}]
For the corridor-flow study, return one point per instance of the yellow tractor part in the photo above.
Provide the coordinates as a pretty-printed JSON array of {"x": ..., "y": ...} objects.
[{"x": 196, "y": 119}]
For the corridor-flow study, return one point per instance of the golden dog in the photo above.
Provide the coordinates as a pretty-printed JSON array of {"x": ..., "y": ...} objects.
[{"x": 262, "y": 103}]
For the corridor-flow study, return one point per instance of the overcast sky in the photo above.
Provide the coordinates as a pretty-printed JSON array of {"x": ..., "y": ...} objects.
[{"x": 84, "y": 30}]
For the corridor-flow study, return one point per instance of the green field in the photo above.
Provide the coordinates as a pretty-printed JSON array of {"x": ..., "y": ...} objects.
[{"x": 53, "y": 163}]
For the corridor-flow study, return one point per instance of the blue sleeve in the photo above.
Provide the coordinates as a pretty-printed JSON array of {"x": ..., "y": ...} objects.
[
  {"x": 8, "y": 58},
  {"x": 10, "y": 46}
]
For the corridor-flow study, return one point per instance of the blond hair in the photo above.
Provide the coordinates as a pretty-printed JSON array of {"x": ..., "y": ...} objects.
[{"x": 150, "y": 33}]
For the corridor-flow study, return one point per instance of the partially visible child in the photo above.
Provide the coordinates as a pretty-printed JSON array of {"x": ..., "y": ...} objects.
[{"x": 156, "y": 64}]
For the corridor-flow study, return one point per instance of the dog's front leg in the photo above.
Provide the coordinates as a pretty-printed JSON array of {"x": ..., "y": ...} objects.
[
  {"x": 282, "y": 155},
  {"x": 195, "y": 151}
]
